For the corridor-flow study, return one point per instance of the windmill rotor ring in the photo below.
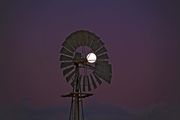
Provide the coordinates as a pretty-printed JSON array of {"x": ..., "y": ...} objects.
[{"x": 85, "y": 50}]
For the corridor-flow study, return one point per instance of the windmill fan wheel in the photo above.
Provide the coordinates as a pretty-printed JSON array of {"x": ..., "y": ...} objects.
[{"x": 85, "y": 50}]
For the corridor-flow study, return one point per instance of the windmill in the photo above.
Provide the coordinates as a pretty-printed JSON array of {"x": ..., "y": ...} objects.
[{"x": 85, "y": 65}]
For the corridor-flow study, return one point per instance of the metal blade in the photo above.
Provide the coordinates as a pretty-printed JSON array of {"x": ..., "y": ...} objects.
[
  {"x": 102, "y": 57},
  {"x": 89, "y": 41},
  {"x": 68, "y": 70},
  {"x": 94, "y": 39},
  {"x": 67, "y": 46},
  {"x": 103, "y": 67},
  {"x": 84, "y": 83},
  {"x": 71, "y": 41},
  {"x": 66, "y": 52},
  {"x": 75, "y": 38},
  {"x": 77, "y": 83},
  {"x": 94, "y": 44},
  {"x": 106, "y": 78},
  {"x": 77, "y": 56},
  {"x": 85, "y": 37},
  {"x": 104, "y": 71},
  {"x": 82, "y": 37},
  {"x": 69, "y": 77},
  {"x": 73, "y": 83},
  {"x": 102, "y": 62},
  {"x": 97, "y": 44},
  {"x": 66, "y": 64},
  {"x": 101, "y": 51},
  {"x": 79, "y": 38},
  {"x": 97, "y": 79},
  {"x": 65, "y": 58},
  {"x": 93, "y": 82},
  {"x": 88, "y": 82},
  {"x": 80, "y": 79}
]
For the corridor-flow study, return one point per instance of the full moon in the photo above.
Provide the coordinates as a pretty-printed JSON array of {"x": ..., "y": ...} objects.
[{"x": 91, "y": 58}]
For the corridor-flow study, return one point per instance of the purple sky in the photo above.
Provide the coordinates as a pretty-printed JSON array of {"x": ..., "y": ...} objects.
[{"x": 142, "y": 38}]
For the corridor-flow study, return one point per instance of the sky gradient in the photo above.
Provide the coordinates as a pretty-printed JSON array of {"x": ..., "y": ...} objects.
[{"x": 142, "y": 38}]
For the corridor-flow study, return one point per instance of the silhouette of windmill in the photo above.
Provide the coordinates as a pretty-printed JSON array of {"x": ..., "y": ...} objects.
[{"x": 84, "y": 62}]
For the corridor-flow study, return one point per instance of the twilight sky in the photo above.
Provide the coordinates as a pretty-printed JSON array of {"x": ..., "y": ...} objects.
[{"x": 142, "y": 38}]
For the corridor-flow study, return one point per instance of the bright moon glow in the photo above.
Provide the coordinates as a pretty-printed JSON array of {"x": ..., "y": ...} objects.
[{"x": 91, "y": 58}]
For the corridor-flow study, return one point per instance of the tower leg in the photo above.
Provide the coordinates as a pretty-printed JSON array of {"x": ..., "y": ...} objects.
[{"x": 76, "y": 109}]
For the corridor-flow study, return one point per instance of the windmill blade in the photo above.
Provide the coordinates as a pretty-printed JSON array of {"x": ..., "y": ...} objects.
[
  {"x": 95, "y": 40},
  {"x": 73, "y": 83},
  {"x": 94, "y": 44},
  {"x": 103, "y": 67},
  {"x": 89, "y": 40},
  {"x": 84, "y": 83},
  {"x": 101, "y": 51},
  {"x": 68, "y": 70},
  {"x": 97, "y": 44},
  {"x": 65, "y": 58},
  {"x": 67, "y": 46},
  {"x": 72, "y": 41},
  {"x": 93, "y": 81},
  {"x": 66, "y": 52},
  {"x": 77, "y": 82},
  {"x": 77, "y": 37},
  {"x": 88, "y": 82},
  {"x": 104, "y": 71},
  {"x": 80, "y": 79},
  {"x": 66, "y": 64},
  {"x": 70, "y": 76},
  {"x": 82, "y": 37},
  {"x": 102, "y": 62},
  {"x": 97, "y": 78},
  {"x": 102, "y": 57},
  {"x": 105, "y": 77},
  {"x": 77, "y": 56}
]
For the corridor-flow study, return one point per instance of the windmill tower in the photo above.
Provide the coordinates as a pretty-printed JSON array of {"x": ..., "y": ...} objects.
[{"x": 85, "y": 65}]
